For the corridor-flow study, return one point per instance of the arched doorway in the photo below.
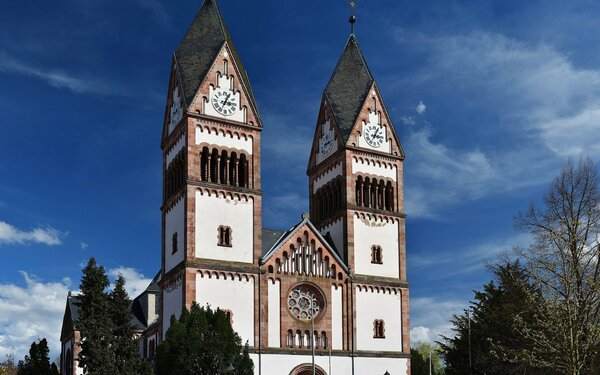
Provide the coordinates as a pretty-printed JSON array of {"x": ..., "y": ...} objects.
[{"x": 306, "y": 369}]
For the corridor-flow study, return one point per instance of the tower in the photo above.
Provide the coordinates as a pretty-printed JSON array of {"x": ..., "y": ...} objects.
[
  {"x": 356, "y": 201},
  {"x": 212, "y": 203}
]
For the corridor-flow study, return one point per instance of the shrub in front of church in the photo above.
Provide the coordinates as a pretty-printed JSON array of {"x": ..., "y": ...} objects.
[{"x": 202, "y": 342}]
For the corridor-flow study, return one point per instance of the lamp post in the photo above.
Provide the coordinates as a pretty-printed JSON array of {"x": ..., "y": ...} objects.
[{"x": 312, "y": 333}]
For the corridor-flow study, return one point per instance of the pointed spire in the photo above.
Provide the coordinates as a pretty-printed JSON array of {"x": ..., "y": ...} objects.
[
  {"x": 200, "y": 46},
  {"x": 349, "y": 86}
]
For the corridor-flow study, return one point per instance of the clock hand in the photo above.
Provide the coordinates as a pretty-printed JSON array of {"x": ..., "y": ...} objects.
[{"x": 226, "y": 99}]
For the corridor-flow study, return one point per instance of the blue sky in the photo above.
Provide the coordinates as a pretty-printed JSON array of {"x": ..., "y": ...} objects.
[{"x": 489, "y": 98}]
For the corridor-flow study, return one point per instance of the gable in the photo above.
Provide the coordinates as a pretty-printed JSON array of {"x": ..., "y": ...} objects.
[
  {"x": 373, "y": 129},
  {"x": 225, "y": 76},
  {"x": 327, "y": 138},
  {"x": 302, "y": 251}
]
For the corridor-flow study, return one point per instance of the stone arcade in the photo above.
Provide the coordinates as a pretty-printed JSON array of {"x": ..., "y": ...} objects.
[{"x": 342, "y": 268}]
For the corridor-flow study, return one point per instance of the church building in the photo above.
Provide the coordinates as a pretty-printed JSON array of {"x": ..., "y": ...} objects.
[{"x": 336, "y": 281}]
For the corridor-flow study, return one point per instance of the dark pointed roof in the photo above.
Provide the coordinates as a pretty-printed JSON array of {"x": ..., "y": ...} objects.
[
  {"x": 349, "y": 86},
  {"x": 199, "y": 47}
]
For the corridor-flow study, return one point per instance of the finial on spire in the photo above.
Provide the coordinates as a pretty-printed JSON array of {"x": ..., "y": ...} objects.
[{"x": 352, "y": 18}]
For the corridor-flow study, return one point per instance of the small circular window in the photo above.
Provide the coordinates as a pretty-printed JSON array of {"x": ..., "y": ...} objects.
[{"x": 304, "y": 302}]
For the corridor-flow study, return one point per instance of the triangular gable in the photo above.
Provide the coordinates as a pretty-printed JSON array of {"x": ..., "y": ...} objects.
[
  {"x": 373, "y": 111},
  {"x": 303, "y": 250}
]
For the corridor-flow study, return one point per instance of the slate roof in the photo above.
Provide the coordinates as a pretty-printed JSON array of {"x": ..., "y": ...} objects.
[
  {"x": 270, "y": 238},
  {"x": 349, "y": 86},
  {"x": 199, "y": 47}
]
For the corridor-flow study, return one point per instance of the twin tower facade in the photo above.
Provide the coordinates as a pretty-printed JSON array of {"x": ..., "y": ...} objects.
[{"x": 336, "y": 281}]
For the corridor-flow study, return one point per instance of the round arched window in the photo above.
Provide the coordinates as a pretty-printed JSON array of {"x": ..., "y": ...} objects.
[{"x": 305, "y": 302}]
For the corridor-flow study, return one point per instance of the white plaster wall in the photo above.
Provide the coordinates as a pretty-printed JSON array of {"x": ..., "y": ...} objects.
[
  {"x": 366, "y": 166},
  {"x": 369, "y": 232},
  {"x": 174, "y": 222},
  {"x": 227, "y": 83},
  {"x": 336, "y": 318},
  {"x": 175, "y": 150},
  {"x": 274, "y": 313},
  {"x": 328, "y": 176},
  {"x": 237, "y": 213},
  {"x": 230, "y": 294},
  {"x": 386, "y": 146},
  {"x": 283, "y": 364},
  {"x": 378, "y": 305},
  {"x": 219, "y": 138},
  {"x": 172, "y": 305},
  {"x": 336, "y": 231}
]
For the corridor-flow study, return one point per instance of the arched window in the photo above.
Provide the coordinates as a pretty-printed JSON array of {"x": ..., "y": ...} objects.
[
  {"x": 323, "y": 340},
  {"x": 299, "y": 339},
  {"x": 214, "y": 166},
  {"x": 290, "y": 338},
  {"x": 68, "y": 363},
  {"x": 271, "y": 269},
  {"x": 204, "y": 164},
  {"x": 366, "y": 195},
  {"x": 224, "y": 236},
  {"x": 376, "y": 255},
  {"x": 233, "y": 169},
  {"x": 378, "y": 329},
  {"x": 229, "y": 316},
  {"x": 174, "y": 243},
  {"x": 151, "y": 349},
  {"x": 389, "y": 202},
  {"x": 223, "y": 170},
  {"x": 242, "y": 174}
]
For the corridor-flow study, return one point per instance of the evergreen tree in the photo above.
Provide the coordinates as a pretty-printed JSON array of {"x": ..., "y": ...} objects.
[
  {"x": 493, "y": 327},
  {"x": 38, "y": 361},
  {"x": 95, "y": 322},
  {"x": 202, "y": 342},
  {"x": 124, "y": 345}
]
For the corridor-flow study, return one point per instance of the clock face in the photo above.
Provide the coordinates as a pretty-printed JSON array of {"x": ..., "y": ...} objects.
[
  {"x": 374, "y": 135},
  {"x": 326, "y": 143},
  {"x": 224, "y": 102}
]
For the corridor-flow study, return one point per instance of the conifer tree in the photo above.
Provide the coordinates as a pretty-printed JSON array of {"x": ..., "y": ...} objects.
[
  {"x": 95, "y": 322},
  {"x": 38, "y": 361},
  {"x": 124, "y": 345},
  {"x": 202, "y": 342}
]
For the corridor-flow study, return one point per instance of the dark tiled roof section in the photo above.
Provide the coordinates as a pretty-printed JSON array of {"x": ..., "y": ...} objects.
[
  {"x": 153, "y": 287},
  {"x": 200, "y": 46},
  {"x": 270, "y": 238},
  {"x": 349, "y": 86}
]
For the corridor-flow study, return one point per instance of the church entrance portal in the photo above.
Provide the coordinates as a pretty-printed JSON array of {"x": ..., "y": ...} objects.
[{"x": 306, "y": 369}]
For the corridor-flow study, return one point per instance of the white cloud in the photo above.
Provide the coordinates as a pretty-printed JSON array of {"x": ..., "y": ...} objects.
[
  {"x": 30, "y": 313},
  {"x": 408, "y": 120},
  {"x": 421, "y": 108},
  {"x": 546, "y": 108},
  {"x": 83, "y": 245},
  {"x": 135, "y": 282},
  {"x": 430, "y": 318},
  {"x": 12, "y": 235},
  {"x": 56, "y": 78}
]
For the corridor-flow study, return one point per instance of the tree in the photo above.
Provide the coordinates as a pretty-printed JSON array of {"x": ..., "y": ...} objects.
[
  {"x": 487, "y": 339},
  {"x": 202, "y": 342},
  {"x": 95, "y": 322},
  {"x": 562, "y": 261},
  {"x": 419, "y": 359},
  {"x": 7, "y": 367},
  {"x": 38, "y": 361},
  {"x": 124, "y": 345}
]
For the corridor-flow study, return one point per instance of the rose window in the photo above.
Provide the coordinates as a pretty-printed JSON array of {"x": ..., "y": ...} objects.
[{"x": 304, "y": 303}]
